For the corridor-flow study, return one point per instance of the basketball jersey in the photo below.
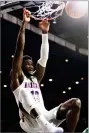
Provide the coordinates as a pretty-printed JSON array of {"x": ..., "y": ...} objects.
[{"x": 34, "y": 89}]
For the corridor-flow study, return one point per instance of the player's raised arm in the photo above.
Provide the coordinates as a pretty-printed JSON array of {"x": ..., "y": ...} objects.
[
  {"x": 41, "y": 64},
  {"x": 16, "y": 71}
]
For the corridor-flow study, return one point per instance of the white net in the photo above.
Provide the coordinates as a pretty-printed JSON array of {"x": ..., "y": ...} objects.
[{"x": 46, "y": 10}]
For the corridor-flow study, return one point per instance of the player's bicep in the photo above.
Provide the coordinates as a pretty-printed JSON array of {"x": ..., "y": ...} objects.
[
  {"x": 17, "y": 62},
  {"x": 40, "y": 71}
]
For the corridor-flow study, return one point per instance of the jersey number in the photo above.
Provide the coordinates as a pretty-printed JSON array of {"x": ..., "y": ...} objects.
[{"x": 35, "y": 95}]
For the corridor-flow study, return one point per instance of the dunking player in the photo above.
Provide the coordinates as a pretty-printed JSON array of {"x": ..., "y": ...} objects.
[{"x": 25, "y": 86}]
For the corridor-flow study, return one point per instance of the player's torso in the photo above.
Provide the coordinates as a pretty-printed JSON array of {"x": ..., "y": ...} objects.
[{"x": 34, "y": 90}]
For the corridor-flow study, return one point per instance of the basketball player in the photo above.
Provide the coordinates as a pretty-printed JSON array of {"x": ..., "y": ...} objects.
[{"x": 25, "y": 86}]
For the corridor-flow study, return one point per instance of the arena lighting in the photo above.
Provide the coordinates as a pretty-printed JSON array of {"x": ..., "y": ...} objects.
[
  {"x": 12, "y": 56},
  {"x": 82, "y": 78},
  {"x": 42, "y": 85},
  {"x": 69, "y": 88},
  {"x": 66, "y": 60},
  {"x": 50, "y": 80},
  {"x": 64, "y": 92},
  {"x": 4, "y": 86},
  {"x": 77, "y": 82},
  {"x": 54, "y": 22}
]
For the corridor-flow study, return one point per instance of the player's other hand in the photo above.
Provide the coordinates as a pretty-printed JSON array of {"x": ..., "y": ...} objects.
[
  {"x": 44, "y": 25},
  {"x": 26, "y": 15}
]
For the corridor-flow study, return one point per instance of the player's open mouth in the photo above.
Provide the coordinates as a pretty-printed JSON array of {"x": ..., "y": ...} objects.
[{"x": 31, "y": 70}]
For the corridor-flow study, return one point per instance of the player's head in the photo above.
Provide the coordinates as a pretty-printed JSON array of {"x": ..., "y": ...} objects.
[{"x": 27, "y": 65}]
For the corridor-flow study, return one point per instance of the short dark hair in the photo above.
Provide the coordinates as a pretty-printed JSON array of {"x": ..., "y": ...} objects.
[{"x": 25, "y": 57}]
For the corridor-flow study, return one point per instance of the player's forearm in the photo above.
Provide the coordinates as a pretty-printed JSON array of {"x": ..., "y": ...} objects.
[
  {"x": 21, "y": 37},
  {"x": 44, "y": 50}
]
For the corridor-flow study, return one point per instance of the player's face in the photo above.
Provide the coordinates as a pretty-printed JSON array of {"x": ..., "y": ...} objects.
[{"x": 28, "y": 65}]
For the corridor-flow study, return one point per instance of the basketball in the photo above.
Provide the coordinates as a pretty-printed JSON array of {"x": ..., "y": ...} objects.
[{"x": 76, "y": 9}]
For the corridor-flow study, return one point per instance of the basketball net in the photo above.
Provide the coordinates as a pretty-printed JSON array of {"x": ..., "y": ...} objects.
[{"x": 48, "y": 10}]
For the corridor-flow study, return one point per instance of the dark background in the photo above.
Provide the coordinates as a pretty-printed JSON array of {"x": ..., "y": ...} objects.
[{"x": 64, "y": 74}]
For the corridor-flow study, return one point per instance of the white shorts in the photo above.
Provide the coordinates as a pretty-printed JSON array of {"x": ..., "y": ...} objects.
[{"x": 49, "y": 115}]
